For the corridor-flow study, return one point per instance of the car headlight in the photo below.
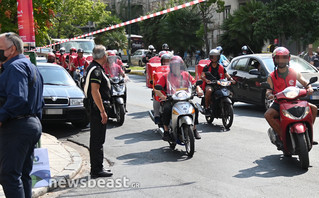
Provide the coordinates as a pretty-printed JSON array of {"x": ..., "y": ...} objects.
[{"x": 76, "y": 102}]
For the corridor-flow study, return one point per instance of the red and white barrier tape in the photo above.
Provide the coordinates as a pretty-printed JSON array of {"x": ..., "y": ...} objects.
[{"x": 128, "y": 22}]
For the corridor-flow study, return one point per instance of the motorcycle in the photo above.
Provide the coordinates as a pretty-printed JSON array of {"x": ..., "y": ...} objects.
[
  {"x": 116, "y": 106},
  {"x": 296, "y": 123},
  {"x": 221, "y": 104},
  {"x": 183, "y": 114}
]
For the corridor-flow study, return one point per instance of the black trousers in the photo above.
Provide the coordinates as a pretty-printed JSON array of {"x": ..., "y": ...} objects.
[
  {"x": 17, "y": 142},
  {"x": 167, "y": 113},
  {"x": 97, "y": 139}
]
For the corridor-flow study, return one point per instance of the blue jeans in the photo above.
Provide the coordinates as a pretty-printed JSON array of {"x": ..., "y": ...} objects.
[{"x": 17, "y": 142}]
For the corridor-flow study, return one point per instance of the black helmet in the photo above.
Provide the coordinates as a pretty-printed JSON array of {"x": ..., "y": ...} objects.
[
  {"x": 165, "y": 46},
  {"x": 80, "y": 50}
]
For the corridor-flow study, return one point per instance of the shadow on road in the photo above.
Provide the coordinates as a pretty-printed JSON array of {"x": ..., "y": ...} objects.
[
  {"x": 243, "y": 109},
  {"x": 158, "y": 155},
  {"x": 273, "y": 166},
  {"x": 131, "y": 138},
  {"x": 211, "y": 128},
  {"x": 138, "y": 115}
]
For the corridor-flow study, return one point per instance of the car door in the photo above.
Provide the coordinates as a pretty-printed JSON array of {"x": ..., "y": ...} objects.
[
  {"x": 255, "y": 76},
  {"x": 240, "y": 77},
  {"x": 134, "y": 58}
]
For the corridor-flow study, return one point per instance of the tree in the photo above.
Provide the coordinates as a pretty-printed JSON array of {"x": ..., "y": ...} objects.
[
  {"x": 177, "y": 29},
  {"x": 205, "y": 10},
  {"x": 114, "y": 39},
  {"x": 73, "y": 14},
  {"x": 240, "y": 29},
  {"x": 44, "y": 11},
  {"x": 290, "y": 19}
]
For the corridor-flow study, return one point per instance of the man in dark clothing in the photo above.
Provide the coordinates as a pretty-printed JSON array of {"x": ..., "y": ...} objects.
[
  {"x": 218, "y": 71},
  {"x": 149, "y": 54},
  {"x": 97, "y": 90},
  {"x": 315, "y": 59},
  {"x": 21, "y": 91}
]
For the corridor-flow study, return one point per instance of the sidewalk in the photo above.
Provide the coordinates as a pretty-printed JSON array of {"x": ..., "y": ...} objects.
[{"x": 64, "y": 162}]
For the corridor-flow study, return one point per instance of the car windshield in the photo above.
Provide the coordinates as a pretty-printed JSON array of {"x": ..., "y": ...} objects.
[
  {"x": 56, "y": 76},
  {"x": 296, "y": 63},
  {"x": 87, "y": 46}
]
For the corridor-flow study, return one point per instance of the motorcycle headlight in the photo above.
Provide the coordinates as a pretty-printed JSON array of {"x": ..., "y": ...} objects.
[
  {"x": 298, "y": 113},
  {"x": 76, "y": 102}
]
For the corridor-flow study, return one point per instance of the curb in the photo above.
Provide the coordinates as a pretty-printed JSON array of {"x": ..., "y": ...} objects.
[{"x": 69, "y": 172}]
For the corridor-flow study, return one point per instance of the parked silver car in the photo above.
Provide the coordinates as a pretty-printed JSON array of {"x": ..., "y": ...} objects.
[
  {"x": 137, "y": 57},
  {"x": 62, "y": 97}
]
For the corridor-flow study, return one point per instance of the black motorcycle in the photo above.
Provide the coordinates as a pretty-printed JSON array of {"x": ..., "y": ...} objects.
[
  {"x": 221, "y": 103},
  {"x": 116, "y": 106}
]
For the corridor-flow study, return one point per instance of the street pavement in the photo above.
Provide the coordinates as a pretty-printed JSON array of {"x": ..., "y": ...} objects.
[{"x": 65, "y": 162}]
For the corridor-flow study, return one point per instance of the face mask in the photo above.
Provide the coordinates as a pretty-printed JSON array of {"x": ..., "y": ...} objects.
[{"x": 2, "y": 56}]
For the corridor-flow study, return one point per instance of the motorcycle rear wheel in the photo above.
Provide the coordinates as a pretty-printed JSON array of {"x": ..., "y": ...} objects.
[
  {"x": 189, "y": 140},
  {"x": 228, "y": 115},
  {"x": 303, "y": 151}
]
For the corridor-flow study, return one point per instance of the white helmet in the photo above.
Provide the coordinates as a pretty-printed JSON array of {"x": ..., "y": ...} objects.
[{"x": 151, "y": 47}]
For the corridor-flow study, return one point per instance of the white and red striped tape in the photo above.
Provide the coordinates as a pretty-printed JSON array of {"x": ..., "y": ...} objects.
[{"x": 128, "y": 22}]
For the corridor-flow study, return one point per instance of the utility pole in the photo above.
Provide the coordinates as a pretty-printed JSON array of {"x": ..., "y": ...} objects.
[{"x": 129, "y": 32}]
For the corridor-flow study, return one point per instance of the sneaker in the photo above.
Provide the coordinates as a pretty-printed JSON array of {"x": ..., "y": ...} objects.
[
  {"x": 196, "y": 134},
  {"x": 166, "y": 136}
]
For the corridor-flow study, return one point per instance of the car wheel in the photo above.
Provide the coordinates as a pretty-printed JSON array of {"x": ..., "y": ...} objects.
[{"x": 140, "y": 63}]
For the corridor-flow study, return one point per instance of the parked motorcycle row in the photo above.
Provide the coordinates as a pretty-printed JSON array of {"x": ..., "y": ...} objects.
[{"x": 295, "y": 117}]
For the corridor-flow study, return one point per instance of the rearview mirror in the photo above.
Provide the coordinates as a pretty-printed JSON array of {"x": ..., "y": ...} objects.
[
  {"x": 312, "y": 80},
  {"x": 234, "y": 73}
]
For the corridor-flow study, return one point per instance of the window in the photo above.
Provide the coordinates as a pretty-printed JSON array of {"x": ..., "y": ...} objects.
[
  {"x": 241, "y": 64},
  {"x": 226, "y": 12}
]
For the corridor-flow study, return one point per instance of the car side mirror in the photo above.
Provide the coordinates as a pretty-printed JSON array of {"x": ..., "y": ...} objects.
[
  {"x": 235, "y": 73},
  {"x": 127, "y": 71},
  {"x": 158, "y": 87},
  {"x": 254, "y": 72}
]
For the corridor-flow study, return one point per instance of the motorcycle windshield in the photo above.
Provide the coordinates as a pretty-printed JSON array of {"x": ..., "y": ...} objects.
[
  {"x": 112, "y": 68},
  {"x": 178, "y": 79}
]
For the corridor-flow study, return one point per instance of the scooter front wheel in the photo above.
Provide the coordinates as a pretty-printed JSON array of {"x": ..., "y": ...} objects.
[
  {"x": 303, "y": 151},
  {"x": 189, "y": 140},
  {"x": 120, "y": 114}
]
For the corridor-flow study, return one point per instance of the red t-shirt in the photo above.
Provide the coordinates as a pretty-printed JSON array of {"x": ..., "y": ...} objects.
[
  {"x": 176, "y": 81},
  {"x": 115, "y": 70}
]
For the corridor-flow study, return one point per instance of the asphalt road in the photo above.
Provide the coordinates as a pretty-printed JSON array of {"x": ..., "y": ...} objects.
[{"x": 240, "y": 162}]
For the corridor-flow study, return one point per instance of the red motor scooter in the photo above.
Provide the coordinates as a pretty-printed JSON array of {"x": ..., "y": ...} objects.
[{"x": 296, "y": 124}]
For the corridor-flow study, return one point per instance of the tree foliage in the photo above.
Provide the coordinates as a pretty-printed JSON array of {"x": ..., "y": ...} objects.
[
  {"x": 239, "y": 29},
  {"x": 114, "y": 39},
  {"x": 177, "y": 29},
  {"x": 290, "y": 19},
  {"x": 256, "y": 23},
  {"x": 43, "y": 10},
  {"x": 205, "y": 10}
]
